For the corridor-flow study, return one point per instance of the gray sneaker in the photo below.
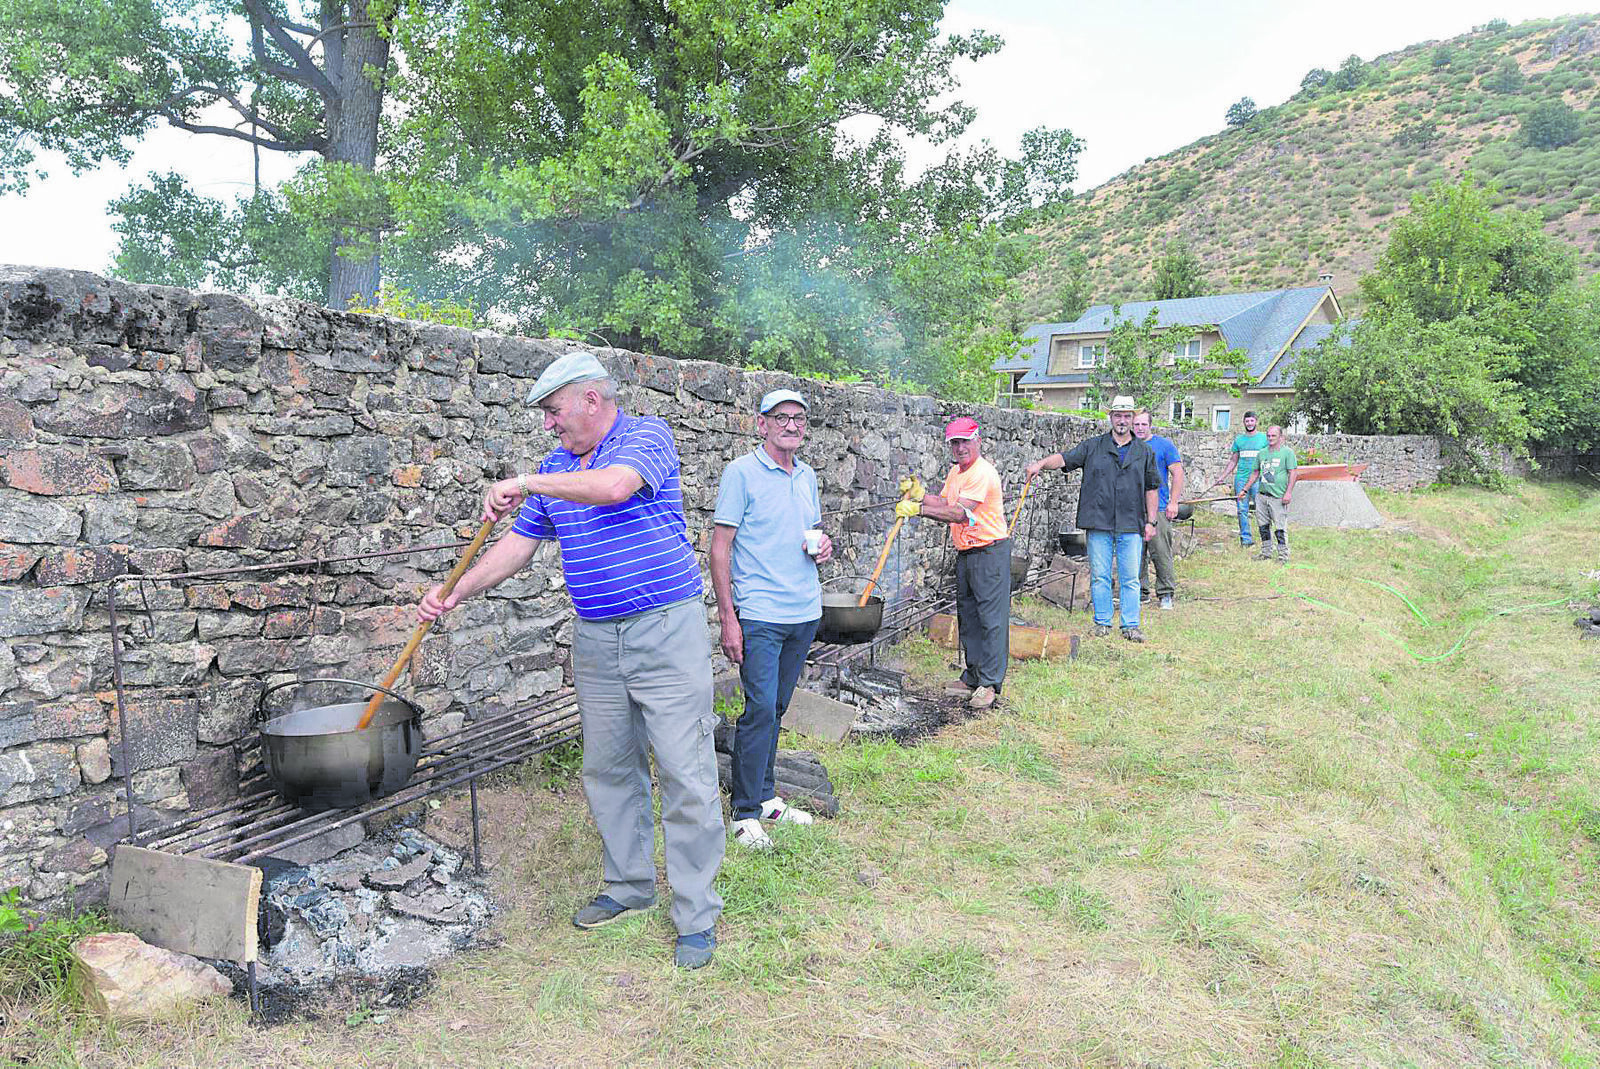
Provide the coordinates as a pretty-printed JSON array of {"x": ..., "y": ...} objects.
[
  {"x": 1099, "y": 630},
  {"x": 1133, "y": 634},
  {"x": 602, "y": 911},
  {"x": 1166, "y": 601}
]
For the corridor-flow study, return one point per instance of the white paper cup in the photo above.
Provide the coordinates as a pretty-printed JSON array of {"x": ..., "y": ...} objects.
[{"x": 813, "y": 539}]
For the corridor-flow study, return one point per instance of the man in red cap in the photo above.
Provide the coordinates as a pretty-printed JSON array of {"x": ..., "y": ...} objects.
[{"x": 970, "y": 503}]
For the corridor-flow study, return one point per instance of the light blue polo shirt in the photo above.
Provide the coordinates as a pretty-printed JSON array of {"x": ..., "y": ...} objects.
[{"x": 773, "y": 579}]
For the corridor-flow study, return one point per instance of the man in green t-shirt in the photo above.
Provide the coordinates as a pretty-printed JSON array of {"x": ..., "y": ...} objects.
[
  {"x": 1245, "y": 450},
  {"x": 1277, "y": 470}
]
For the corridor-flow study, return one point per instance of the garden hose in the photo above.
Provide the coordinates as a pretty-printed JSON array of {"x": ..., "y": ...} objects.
[{"x": 1419, "y": 658}]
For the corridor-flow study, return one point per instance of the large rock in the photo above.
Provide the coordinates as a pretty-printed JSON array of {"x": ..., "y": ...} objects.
[
  {"x": 122, "y": 977},
  {"x": 40, "y": 612},
  {"x": 54, "y": 471},
  {"x": 32, "y": 520}
]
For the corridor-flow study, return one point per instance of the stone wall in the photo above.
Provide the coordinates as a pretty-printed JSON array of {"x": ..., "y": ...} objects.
[{"x": 150, "y": 430}]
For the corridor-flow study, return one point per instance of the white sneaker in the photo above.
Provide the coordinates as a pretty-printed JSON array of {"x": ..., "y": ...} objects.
[
  {"x": 750, "y": 834},
  {"x": 1166, "y": 601},
  {"x": 777, "y": 809}
]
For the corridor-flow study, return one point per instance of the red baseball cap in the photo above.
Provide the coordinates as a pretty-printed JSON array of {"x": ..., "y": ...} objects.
[{"x": 960, "y": 427}]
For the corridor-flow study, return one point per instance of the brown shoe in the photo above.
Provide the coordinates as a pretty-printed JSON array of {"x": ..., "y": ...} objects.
[
  {"x": 982, "y": 698},
  {"x": 958, "y": 689}
]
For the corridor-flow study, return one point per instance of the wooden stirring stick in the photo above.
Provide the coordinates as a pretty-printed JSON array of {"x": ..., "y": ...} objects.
[{"x": 422, "y": 628}]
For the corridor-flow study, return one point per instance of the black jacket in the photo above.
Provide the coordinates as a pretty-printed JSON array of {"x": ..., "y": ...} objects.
[{"x": 1112, "y": 495}]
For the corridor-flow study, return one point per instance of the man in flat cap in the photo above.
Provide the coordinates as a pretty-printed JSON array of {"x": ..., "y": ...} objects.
[
  {"x": 641, "y": 658},
  {"x": 764, "y": 555},
  {"x": 970, "y": 502},
  {"x": 1116, "y": 509}
]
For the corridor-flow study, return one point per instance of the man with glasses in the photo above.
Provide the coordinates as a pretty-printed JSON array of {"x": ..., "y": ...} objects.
[
  {"x": 769, "y": 601},
  {"x": 1116, "y": 508},
  {"x": 970, "y": 502}
]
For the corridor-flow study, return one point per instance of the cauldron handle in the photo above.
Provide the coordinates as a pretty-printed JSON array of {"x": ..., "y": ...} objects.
[
  {"x": 261, "y": 702},
  {"x": 831, "y": 578}
]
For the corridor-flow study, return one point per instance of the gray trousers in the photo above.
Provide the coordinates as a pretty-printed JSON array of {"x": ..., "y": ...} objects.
[
  {"x": 1273, "y": 516},
  {"x": 644, "y": 681},
  {"x": 983, "y": 612},
  {"x": 1159, "y": 551}
]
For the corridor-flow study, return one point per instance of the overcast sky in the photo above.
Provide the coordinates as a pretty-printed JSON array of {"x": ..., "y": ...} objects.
[{"x": 1133, "y": 79}]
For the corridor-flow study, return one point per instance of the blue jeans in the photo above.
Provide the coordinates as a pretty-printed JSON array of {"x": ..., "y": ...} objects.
[
  {"x": 1126, "y": 550},
  {"x": 773, "y": 657},
  {"x": 1246, "y": 537}
]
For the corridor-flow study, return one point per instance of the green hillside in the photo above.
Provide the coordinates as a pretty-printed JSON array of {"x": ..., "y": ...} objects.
[{"x": 1310, "y": 186}]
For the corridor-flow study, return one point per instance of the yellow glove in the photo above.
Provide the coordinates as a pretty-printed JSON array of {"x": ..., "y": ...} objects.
[
  {"x": 907, "y": 509},
  {"x": 911, "y": 489}
]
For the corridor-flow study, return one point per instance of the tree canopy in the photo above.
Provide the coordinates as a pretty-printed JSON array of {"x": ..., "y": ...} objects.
[
  {"x": 1241, "y": 112},
  {"x": 1477, "y": 326},
  {"x": 1179, "y": 273},
  {"x": 1153, "y": 364},
  {"x": 715, "y": 179},
  {"x": 88, "y": 78}
]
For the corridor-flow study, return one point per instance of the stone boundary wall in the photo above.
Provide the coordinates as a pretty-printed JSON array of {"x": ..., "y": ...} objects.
[{"x": 149, "y": 430}]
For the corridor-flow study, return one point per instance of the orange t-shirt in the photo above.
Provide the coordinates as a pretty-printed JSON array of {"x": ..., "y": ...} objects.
[{"x": 980, "y": 483}]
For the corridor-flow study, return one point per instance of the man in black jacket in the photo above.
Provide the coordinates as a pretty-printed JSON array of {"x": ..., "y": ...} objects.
[{"x": 1117, "y": 510}]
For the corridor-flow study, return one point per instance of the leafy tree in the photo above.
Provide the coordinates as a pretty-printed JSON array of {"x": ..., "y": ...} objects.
[
  {"x": 1179, "y": 273},
  {"x": 1401, "y": 375},
  {"x": 1454, "y": 256},
  {"x": 1442, "y": 56},
  {"x": 675, "y": 177},
  {"x": 1504, "y": 338},
  {"x": 1240, "y": 113},
  {"x": 88, "y": 78},
  {"x": 1142, "y": 362},
  {"x": 172, "y": 236},
  {"x": 1073, "y": 297},
  {"x": 1316, "y": 79},
  {"x": 1506, "y": 78},
  {"x": 1351, "y": 74},
  {"x": 1550, "y": 124}
]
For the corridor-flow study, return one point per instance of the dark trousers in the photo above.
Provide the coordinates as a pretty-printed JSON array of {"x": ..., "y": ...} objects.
[
  {"x": 983, "y": 612},
  {"x": 773, "y": 657}
]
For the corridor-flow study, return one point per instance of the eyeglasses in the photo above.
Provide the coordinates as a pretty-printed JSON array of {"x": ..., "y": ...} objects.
[{"x": 797, "y": 419}]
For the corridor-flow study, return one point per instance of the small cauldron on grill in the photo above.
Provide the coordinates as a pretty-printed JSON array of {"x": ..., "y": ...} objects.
[
  {"x": 1073, "y": 542},
  {"x": 844, "y": 622}
]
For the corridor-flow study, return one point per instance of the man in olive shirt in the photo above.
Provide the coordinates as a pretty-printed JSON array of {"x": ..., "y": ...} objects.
[
  {"x": 1117, "y": 509},
  {"x": 1277, "y": 470}
]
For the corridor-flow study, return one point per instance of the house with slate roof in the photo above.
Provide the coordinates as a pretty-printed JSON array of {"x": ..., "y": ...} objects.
[{"x": 1056, "y": 367}]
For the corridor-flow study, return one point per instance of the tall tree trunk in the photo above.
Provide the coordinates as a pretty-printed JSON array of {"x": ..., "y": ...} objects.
[{"x": 357, "y": 63}]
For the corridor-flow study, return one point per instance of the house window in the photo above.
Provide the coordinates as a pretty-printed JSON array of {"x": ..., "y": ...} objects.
[
  {"x": 1089, "y": 355},
  {"x": 1189, "y": 350},
  {"x": 1180, "y": 411},
  {"x": 1221, "y": 418}
]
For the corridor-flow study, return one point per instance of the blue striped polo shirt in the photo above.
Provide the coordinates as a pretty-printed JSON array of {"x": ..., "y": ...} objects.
[{"x": 625, "y": 558}]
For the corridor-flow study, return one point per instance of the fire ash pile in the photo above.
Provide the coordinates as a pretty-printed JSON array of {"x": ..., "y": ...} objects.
[{"x": 400, "y": 901}]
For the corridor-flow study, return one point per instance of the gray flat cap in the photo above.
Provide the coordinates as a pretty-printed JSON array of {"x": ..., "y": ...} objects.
[{"x": 580, "y": 366}]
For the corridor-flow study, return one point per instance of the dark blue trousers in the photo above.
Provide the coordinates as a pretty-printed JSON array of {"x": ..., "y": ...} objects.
[{"x": 773, "y": 657}]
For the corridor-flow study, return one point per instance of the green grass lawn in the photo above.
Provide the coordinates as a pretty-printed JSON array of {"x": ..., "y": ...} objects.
[{"x": 1343, "y": 813}]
